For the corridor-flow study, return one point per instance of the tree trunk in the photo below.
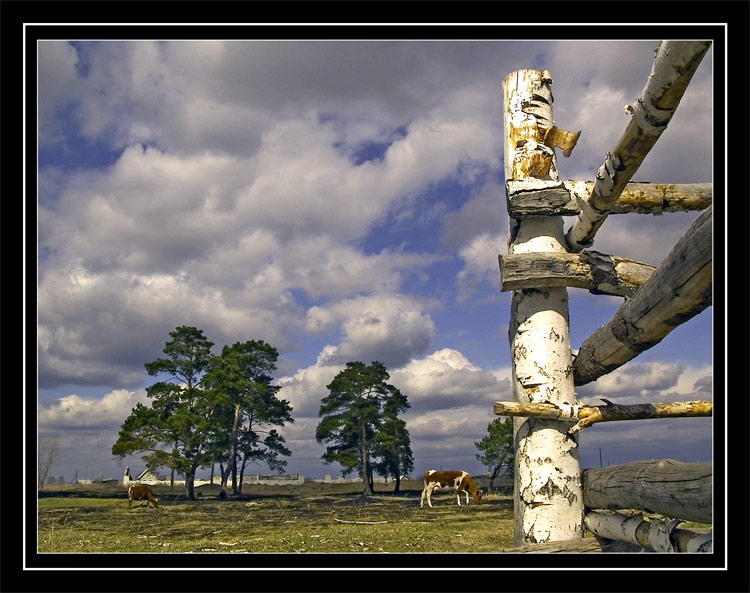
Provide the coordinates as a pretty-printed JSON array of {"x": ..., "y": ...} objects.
[
  {"x": 171, "y": 473},
  {"x": 233, "y": 447},
  {"x": 547, "y": 492},
  {"x": 190, "y": 484},
  {"x": 242, "y": 472},
  {"x": 225, "y": 471},
  {"x": 364, "y": 470}
]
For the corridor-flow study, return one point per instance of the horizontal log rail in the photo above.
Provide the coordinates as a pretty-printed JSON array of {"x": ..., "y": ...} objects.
[
  {"x": 674, "y": 66},
  {"x": 679, "y": 289},
  {"x": 585, "y": 416},
  {"x": 656, "y": 535},
  {"x": 597, "y": 272},
  {"x": 664, "y": 486},
  {"x": 540, "y": 197}
]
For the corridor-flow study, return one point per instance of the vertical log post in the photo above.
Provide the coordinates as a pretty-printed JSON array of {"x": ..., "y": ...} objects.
[{"x": 547, "y": 493}]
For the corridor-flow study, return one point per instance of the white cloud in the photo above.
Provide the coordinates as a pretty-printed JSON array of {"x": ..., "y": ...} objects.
[
  {"x": 388, "y": 328},
  {"x": 307, "y": 387},
  {"x": 236, "y": 204},
  {"x": 75, "y": 412},
  {"x": 481, "y": 265},
  {"x": 446, "y": 379},
  {"x": 638, "y": 382},
  {"x": 56, "y": 71}
]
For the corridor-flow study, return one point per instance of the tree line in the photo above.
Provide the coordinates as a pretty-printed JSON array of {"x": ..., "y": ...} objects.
[{"x": 224, "y": 409}]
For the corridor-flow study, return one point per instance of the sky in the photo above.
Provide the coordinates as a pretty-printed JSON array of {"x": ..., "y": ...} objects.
[{"x": 340, "y": 200}]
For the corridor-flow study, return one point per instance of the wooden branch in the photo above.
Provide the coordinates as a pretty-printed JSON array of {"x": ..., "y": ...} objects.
[
  {"x": 674, "y": 66},
  {"x": 598, "y": 272},
  {"x": 667, "y": 487},
  {"x": 585, "y": 416},
  {"x": 541, "y": 197},
  {"x": 655, "y": 535},
  {"x": 360, "y": 522},
  {"x": 679, "y": 289},
  {"x": 657, "y": 198}
]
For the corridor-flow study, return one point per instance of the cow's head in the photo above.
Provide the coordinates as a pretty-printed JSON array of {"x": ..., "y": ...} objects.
[{"x": 477, "y": 495}]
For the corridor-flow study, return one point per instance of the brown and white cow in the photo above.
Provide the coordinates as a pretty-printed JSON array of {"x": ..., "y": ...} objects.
[
  {"x": 143, "y": 493},
  {"x": 451, "y": 478}
]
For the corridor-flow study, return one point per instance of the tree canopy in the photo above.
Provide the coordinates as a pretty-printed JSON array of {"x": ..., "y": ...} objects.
[
  {"x": 239, "y": 382},
  {"x": 497, "y": 449},
  {"x": 360, "y": 423},
  {"x": 208, "y": 408}
]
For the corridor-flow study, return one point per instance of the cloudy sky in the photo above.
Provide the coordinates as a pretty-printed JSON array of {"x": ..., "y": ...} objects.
[{"x": 341, "y": 200}]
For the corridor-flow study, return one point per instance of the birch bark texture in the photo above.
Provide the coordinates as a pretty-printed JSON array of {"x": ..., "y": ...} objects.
[
  {"x": 673, "y": 68},
  {"x": 547, "y": 491}
]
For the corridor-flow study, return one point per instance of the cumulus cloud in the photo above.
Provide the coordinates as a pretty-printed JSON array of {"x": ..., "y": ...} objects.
[
  {"x": 447, "y": 379},
  {"x": 388, "y": 328},
  {"x": 229, "y": 237},
  {"x": 652, "y": 381},
  {"x": 480, "y": 263},
  {"x": 634, "y": 380},
  {"x": 307, "y": 386},
  {"x": 248, "y": 183},
  {"x": 73, "y": 411}
]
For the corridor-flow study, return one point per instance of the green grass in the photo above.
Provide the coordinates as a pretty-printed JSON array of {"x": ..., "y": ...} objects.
[{"x": 100, "y": 521}]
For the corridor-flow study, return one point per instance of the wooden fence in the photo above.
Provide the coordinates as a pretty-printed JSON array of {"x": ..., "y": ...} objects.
[{"x": 556, "y": 503}]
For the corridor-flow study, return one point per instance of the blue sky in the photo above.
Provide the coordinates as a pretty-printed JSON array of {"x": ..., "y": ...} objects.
[{"x": 342, "y": 200}]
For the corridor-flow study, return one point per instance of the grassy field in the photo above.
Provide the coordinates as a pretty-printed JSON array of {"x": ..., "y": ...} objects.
[{"x": 313, "y": 518}]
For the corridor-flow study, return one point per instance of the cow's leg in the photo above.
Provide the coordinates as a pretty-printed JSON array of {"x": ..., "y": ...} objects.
[
  {"x": 467, "y": 496},
  {"x": 458, "y": 497},
  {"x": 424, "y": 494},
  {"x": 429, "y": 494}
]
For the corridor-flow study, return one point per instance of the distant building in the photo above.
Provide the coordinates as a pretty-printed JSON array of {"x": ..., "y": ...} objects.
[{"x": 146, "y": 477}]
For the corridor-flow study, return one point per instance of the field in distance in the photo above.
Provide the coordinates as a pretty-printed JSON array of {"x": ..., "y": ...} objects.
[{"x": 311, "y": 518}]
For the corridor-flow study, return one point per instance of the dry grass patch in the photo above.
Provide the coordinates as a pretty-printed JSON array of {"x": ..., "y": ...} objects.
[{"x": 308, "y": 523}]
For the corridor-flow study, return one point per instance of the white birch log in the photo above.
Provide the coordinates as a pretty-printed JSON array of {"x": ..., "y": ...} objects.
[
  {"x": 547, "y": 489},
  {"x": 655, "y": 535},
  {"x": 674, "y": 66},
  {"x": 540, "y": 197},
  {"x": 667, "y": 487},
  {"x": 585, "y": 416},
  {"x": 597, "y": 272},
  {"x": 679, "y": 289}
]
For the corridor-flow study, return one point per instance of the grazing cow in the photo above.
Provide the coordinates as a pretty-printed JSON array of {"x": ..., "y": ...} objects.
[
  {"x": 451, "y": 478},
  {"x": 143, "y": 493}
]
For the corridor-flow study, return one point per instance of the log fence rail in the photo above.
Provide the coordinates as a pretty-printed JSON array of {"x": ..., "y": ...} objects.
[{"x": 541, "y": 264}]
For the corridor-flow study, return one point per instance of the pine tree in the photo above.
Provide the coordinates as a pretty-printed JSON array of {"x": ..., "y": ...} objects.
[
  {"x": 181, "y": 416},
  {"x": 360, "y": 402},
  {"x": 497, "y": 448}
]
